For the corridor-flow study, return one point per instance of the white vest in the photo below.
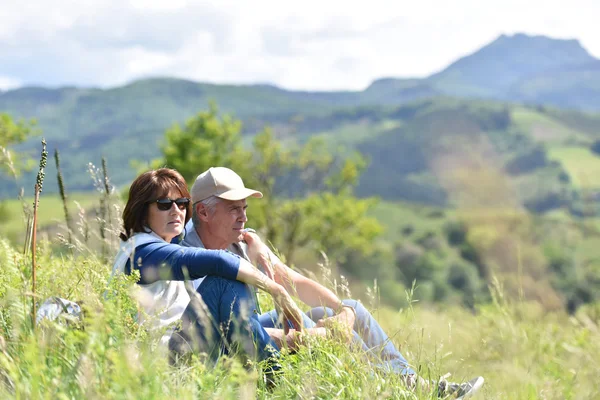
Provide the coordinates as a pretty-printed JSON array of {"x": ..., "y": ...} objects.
[{"x": 162, "y": 303}]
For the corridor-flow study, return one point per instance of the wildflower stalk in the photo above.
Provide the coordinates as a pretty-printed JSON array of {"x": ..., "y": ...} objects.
[
  {"x": 38, "y": 189},
  {"x": 106, "y": 182},
  {"x": 63, "y": 195},
  {"x": 105, "y": 216},
  {"x": 27, "y": 243},
  {"x": 28, "y": 213}
]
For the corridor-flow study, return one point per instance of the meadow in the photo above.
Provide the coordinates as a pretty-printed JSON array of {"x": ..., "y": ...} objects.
[
  {"x": 582, "y": 165},
  {"x": 522, "y": 350},
  {"x": 50, "y": 213}
]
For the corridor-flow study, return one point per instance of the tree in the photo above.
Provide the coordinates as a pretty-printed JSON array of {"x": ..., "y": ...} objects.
[
  {"x": 335, "y": 223},
  {"x": 308, "y": 190},
  {"x": 206, "y": 140},
  {"x": 12, "y": 133},
  {"x": 270, "y": 161}
]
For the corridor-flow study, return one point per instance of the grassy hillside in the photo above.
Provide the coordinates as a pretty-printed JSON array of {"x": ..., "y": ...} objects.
[
  {"x": 403, "y": 138},
  {"x": 405, "y": 145},
  {"x": 422, "y": 158},
  {"x": 523, "y": 352}
]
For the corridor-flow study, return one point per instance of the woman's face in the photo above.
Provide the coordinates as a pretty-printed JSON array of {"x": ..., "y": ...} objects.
[{"x": 168, "y": 223}]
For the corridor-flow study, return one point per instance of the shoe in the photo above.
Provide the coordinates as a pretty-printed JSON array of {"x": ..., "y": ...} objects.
[{"x": 451, "y": 390}]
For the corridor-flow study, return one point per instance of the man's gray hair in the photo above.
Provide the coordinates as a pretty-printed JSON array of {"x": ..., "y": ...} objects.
[{"x": 209, "y": 203}]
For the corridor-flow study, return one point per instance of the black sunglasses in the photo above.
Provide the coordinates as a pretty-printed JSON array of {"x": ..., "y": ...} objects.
[{"x": 165, "y": 204}]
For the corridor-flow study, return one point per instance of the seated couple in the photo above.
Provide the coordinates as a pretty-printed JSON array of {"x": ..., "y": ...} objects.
[{"x": 208, "y": 281}]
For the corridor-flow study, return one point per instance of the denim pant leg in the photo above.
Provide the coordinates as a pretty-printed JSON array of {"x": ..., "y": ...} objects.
[
  {"x": 269, "y": 320},
  {"x": 227, "y": 321},
  {"x": 372, "y": 336}
]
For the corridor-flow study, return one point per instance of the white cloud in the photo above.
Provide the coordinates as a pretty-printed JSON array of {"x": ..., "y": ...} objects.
[
  {"x": 8, "y": 83},
  {"x": 309, "y": 45}
]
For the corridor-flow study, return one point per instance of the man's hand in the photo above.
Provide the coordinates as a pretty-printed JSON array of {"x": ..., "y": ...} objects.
[
  {"x": 259, "y": 253},
  {"x": 341, "y": 324}
]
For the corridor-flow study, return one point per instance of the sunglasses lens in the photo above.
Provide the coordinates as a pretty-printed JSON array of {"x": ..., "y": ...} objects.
[
  {"x": 182, "y": 203},
  {"x": 163, "y": 204},
  {"x": 166, "y": 204}
]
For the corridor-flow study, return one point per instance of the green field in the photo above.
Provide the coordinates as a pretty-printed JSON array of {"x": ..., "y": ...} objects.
[
  {"x": 355, "y": 133},
  {"x": 581, "y": 164},
  {"x": 50, "y": 212},
  {"x": 544, "y": 128}
]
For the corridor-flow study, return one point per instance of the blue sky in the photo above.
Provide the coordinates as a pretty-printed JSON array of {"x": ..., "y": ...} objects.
[{"x": 310, "y": 45}]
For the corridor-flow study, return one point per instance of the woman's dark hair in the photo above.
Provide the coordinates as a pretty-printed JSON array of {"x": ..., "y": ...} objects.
[{"x": 147, "y": 188}]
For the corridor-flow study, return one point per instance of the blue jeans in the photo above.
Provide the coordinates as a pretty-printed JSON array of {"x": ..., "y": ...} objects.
[
  {"x": 224, "y": 322},
  {"x": 367, "y": 333}
]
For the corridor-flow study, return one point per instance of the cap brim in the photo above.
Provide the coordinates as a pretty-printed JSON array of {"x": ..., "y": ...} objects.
[{"x": 239, "y": 194}]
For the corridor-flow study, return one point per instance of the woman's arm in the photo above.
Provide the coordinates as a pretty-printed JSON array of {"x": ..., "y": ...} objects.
[{"x": 165, "y": 261}]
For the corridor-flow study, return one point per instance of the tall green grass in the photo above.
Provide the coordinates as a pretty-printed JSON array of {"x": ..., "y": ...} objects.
[{"x": 522, "y": 351}]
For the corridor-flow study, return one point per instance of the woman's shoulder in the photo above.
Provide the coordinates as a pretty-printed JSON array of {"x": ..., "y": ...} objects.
[{"x": 142, "y": 238}]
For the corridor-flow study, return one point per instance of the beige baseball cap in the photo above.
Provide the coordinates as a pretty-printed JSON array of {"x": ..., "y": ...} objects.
[{"x": 223, "y": 183}]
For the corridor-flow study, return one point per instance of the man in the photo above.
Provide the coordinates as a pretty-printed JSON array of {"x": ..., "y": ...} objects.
[{"x": 218, "y": 222}]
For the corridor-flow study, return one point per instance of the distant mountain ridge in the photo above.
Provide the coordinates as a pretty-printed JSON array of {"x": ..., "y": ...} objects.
[
  {"x": 504, "y": 70},
  {"x": 508, "y": 60},
  {"x": 88, "y": 123}
]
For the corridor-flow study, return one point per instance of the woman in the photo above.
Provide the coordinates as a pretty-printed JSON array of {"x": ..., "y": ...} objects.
[{"x": 156, "y": 212}]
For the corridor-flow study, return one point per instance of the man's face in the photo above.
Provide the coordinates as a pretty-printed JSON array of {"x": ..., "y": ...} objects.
[{"x": 227, "y": 221}]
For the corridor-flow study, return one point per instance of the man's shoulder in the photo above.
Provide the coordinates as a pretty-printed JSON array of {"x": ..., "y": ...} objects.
[
  {"x": 240, "y": 248},
  {"x": 191, "y": 237}
]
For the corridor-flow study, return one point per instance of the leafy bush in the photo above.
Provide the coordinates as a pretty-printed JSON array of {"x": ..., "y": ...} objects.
[
  {"x": 595, "y": 147},
  {"x": 527, "y": 161},
  {"x": 456, "y": 232},
  {"x": 464, "y": 278}
]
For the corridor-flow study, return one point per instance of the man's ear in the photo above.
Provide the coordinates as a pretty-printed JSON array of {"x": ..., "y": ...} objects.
[{"x": 202, "y": 212}]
